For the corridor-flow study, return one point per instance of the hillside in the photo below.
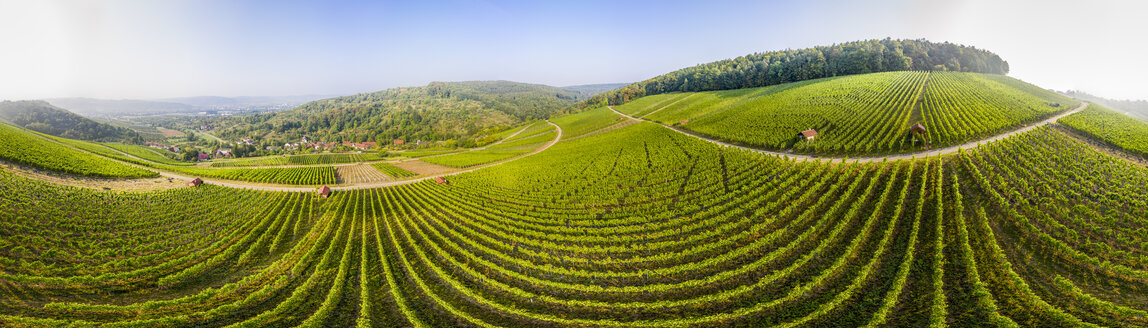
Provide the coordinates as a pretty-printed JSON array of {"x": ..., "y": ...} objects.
[
  {"x": 777, "y": 67},
  {"x": 464, "y": 112},
  {"x": 634, "y": 226},
  {"x": 858, "y": 114},
  {"x": 1135, "y": 108},
  {"x": 43, "y": 117}
]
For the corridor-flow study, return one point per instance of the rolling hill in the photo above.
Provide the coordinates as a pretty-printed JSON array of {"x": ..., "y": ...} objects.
[
  {"x": 624, "y": 222},
  {"x": 464, "y": 112},
  {"x": 45, "y": 118},
  {"x": 862, "y": 114}
]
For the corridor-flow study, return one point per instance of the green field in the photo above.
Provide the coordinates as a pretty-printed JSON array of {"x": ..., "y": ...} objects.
[
  {"x": 31, "y": 148},
  {"x": 147, "y": 153},
  {"x": 523, "y": 143},
  {"x": 393, "y": 171},
  {"x": 858, "y": 115},
  {"x": 635, "y": 227},
  {"x": 315, "y": 175},
  {"x": 1111, "y": 127}
]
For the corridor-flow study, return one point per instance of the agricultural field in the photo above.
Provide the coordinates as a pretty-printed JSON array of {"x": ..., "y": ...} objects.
[
  {"x": 309, "y": 175},
  {"x": 529, "y": 140},
  {"x": 1111, "y": 127},
  {"x": 31, "y": 148},
  {"x": 858, "y": 115},
  {"x": 634, "y": 227},
  {"x": 586, "y": 122},
  {"x": 310, "y": 159},
  {"x": 312, "y": 175},
  {"x": 147, "y": 153},
  {"x": 393, "y": 171}
]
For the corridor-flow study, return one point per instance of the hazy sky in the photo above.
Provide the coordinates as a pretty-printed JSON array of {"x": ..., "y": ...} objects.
[{"x": 162, "y": 48}]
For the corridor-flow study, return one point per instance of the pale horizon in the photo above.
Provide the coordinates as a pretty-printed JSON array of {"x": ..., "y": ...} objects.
[{"x": 172, "y": 49}]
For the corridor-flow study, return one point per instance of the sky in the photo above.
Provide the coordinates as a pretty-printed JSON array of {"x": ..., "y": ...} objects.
[{"x": 146, "y": 49}]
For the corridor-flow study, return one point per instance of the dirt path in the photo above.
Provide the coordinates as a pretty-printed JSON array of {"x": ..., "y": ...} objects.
[{"x": 866, "y": 159}]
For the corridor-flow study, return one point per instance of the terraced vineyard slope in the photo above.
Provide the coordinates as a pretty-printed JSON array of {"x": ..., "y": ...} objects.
[
  {"x": 30, "y": 148},
  {"x": 1111, "y": 127},
  {"x": 858, "y": 115},
  {"x": 633, "y": 227}
]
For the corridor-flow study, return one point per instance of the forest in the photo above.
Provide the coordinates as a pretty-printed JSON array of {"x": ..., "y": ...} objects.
[
  {"x": 462, "y": 112},
  {"x": 777, "y": 67}
]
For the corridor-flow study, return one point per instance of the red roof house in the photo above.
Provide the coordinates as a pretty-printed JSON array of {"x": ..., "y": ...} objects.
[
  {"x": 399, "y": 142},
  {"x": 324, "y": 192},
  {"x": 918, "y": 129},
  {"x": 195, "y": 182},
  {"x": 440, "y": 180},
  {"x": 808, "y": 134}
]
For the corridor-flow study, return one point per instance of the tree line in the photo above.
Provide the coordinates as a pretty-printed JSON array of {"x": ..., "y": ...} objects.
[{"x": 777, "y": 67}]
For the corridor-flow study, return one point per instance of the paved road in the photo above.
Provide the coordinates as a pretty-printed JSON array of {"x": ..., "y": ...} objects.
[
  {"x": 866, "y": 159},
  {"x": 368, "y": 185}
]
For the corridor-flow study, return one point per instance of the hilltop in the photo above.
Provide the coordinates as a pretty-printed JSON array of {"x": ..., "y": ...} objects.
[{"x": 777, "y": 67}]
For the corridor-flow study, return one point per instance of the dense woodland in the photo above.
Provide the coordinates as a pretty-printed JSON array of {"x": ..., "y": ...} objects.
[
  {"x": 777, "y": 67},
  {"x": 45, "y": 118},
  {"x": 456, "y": 112}
]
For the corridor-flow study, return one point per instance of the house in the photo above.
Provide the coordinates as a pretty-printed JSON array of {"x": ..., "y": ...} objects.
[
  {"x": 441, "y": 181},
  {"x": 369, "y": 144},
  {"x": 305, "y": 140},
  {"x": 808, "y": 135},
  {"x": 204, "y": 156},
  {"x": 683, "y": 122},
  {"x": 272, "y": 147},
  {"x": 324, "y": 192},
  {"x": 247, "y": 141},
  {"x": 223, "y": 152},
  {"x": 918, "y": 129},
  {"x": 399, "y": 142},
  {"x": 195, "y": 182}
]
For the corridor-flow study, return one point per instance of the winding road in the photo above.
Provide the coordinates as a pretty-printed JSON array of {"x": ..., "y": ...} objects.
[{"x": 866, "y": 159}]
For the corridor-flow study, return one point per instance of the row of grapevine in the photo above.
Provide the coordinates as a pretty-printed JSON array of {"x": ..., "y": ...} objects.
[
  {"x": 635, "y": 227},
  {"x": 1112, "y": 127},
  {"x": 33, "y": 149},
  {"x": 858, "y": 115}
]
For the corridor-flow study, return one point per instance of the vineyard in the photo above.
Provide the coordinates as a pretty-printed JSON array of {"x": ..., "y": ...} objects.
[
  {"x": 312, "y": 159},
  {"x": 393, "y": 171},
  {"x": 31, "y": 148},
  {"x": 855, "y": 115},
  {"x": 634, "y": 227},
  {"x": 530, "y": 139},
  {"x": 1113, "y": 128}
]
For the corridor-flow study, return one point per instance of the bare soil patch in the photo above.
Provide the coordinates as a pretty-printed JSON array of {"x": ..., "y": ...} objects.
[{"x": 424, "y": 168}]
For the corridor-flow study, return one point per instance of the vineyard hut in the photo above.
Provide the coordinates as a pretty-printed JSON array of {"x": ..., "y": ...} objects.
[
  {"x": 324, "y": 192},
  {"x": 808, "y": 134},
  {"x": 683, "y": 122},
  {"x": 440, "y": 180},
  {"x": 918, "y": 129},
  {"x": 399, "y": 142},
  {"x": 195, "y": 182}
]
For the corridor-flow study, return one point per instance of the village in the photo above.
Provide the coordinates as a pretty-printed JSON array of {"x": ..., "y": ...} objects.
[{"x": 251, "y": 148}]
